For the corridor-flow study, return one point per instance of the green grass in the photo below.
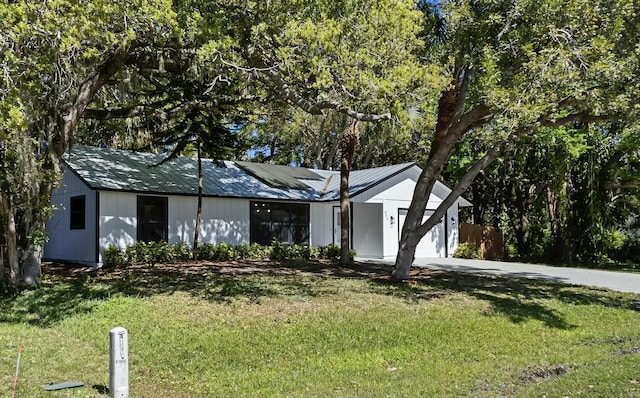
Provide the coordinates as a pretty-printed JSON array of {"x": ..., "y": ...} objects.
[{"x": 313, "y": 330}]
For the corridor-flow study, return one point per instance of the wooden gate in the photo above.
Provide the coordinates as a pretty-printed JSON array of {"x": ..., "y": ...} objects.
[{"x": 488, "y": 239}]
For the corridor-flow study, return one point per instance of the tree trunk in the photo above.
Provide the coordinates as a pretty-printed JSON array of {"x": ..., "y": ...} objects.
[
  {"x": 441, "y": 149},
  {"x": 347, "y": 146},
  {"x": 406, "y": 255},
  {"x": 60, "y": 128},
  {"x": 196, "y": 233},
  {"x": 3, "y": 280},
  {"x": 31, "y": 264},
  {"x": 11, "y": 241}
]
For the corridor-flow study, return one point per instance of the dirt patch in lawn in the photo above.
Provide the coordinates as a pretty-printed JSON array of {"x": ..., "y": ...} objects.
[
  {"x": 538, "y": 374},
  {"x": 632, "y": 350}
]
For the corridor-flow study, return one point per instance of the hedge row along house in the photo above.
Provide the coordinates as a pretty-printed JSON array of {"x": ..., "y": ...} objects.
[{"x": 116, "y": 197}]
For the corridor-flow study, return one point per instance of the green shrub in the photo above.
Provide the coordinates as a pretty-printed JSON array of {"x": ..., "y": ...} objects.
[
  {"x": 309, "y": 252},
  {"x": 259, "y": 252},
  {"x": 243, "y": 251},
  {"x": 352, "y": 254},
  {"x": 224, "y": 252},
  {"x": 467, "y": 250},
  {"x": 206, "y": 252},
  {"x": 264, "y": 253},
  {"x": 330, "y": 252},
  {"x": 279, "y": 251},
  {"x": 181, "y": 252},
  {"x": 282, "y": 251},
  {"x": 254, "y": 251},
  {"x": 614, "y": 240},
  {"x": 138, "y": 253},
  {"x": 113, "y": 256},
  {"x": 158, "y": 252}
]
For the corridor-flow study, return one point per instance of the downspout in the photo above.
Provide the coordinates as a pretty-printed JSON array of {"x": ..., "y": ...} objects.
[{"x": 97, "y": 229}]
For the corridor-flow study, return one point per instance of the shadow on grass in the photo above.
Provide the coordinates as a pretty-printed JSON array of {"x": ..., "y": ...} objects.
[
  {"x": 69, "y": 291},
  {"x": 518, "y": 299},
  {"x": 72, "y": 291}
]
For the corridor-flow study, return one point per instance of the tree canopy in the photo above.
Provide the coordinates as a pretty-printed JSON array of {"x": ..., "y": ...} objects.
[{"x": 516, "y": 67}]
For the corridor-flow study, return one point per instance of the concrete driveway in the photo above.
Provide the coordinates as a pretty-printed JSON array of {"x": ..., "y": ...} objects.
[{"x": 619, "y": 281}]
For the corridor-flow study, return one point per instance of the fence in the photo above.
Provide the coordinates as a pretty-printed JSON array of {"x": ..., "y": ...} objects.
[{"x": 488, "y": 239}]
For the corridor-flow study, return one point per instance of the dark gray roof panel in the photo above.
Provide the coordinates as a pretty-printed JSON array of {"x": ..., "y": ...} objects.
[
  {"x": 279, "y": 176},
  {"x": 119, "y": 170}
]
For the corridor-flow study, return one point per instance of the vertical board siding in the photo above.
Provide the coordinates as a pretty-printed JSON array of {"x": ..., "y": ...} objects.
[
  {"x": 398, "y": 196},
  {"x": 375, "y": 230},
  {"x": 321, "y": 223},
  {"x": 367, "y": 229},
  {"x": 117, "y": 220},
  {"x": 453, "y": 235},
  {"x": 77, "y": 245},
  {"x": 223, "y": 220},
  {"x": 432, "y": 243},
  {"x": 390, "y": 225}
]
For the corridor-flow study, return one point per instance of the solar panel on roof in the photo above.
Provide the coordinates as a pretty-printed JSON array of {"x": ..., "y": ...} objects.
[{"x": 279, "y": 176}]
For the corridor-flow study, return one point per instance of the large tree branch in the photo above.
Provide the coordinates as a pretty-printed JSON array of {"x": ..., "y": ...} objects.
[
  {"x": 164, "y": 114},
  {"x": 85, "y": 95},
  {"x": 475, "y": 117},
  {"x": 116, "y": 113},
  {"x": 466, "y": 75},
  {"x": 581, "y": 117},
  {"x": 315, "y": 108},
  {"x": 493, "y": 153}
]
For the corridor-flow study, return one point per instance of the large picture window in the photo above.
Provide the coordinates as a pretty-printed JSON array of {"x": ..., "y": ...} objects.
[
  {"x": 152, "y": 219},
  {"x": 285, "y": 222},
  {"x": 77, "y": 212}
]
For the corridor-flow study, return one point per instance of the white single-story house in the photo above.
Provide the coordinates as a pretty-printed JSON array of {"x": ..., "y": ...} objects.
[{"x": 116, "y": 197}]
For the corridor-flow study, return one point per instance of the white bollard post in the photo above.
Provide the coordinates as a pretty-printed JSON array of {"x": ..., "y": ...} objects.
[{"x": 119, "y": 363}]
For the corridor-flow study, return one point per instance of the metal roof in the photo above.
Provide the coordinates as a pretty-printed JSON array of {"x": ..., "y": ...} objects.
[
  {"x": 279, "y": 176},
  {"x": 120, "y": 170}
]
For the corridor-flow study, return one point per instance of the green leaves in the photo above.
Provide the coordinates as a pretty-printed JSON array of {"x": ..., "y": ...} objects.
[{"x": 352, "y": 52}]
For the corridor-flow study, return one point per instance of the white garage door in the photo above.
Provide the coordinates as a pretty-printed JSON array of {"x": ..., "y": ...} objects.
[{"x": 433, "y": 243}]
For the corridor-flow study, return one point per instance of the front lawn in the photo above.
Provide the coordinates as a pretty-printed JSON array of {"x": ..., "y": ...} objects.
[{"x": 316, "y": 330}]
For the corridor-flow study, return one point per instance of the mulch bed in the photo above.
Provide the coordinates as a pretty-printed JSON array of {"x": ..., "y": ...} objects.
[{"x": 362, "y": 270}]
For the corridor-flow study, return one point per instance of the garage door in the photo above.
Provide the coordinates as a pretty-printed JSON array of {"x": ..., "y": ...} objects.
[{"x": 433, "y": 243}]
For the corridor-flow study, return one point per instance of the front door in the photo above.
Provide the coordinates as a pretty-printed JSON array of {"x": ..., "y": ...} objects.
[{"x": 337, "y": 225}]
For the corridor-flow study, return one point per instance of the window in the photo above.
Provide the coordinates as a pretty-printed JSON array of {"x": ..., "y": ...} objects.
[
  {"x": 152, "y": 219},
  {"x": 77, "y": 212},
  {"x": 285, "y": 222}
]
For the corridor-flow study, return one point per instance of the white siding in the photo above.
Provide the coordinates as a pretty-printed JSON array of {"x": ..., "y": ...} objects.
[
  {"x": 395, "y": 194},
  {"x": 321, "y": 215},
  {"x": 223, "y": 220},
  {"x": 395, "y": 197},
  {"x": 403, "y": 191},
  {"x": 367, "y": 232},
  {"x": 118, "y": 222},
  {"x": 75, "y": 245},
  {"x": 432, "y": 243},
  {"x": 453, "y": 229},
  {"x": 390, "y": 225}
]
